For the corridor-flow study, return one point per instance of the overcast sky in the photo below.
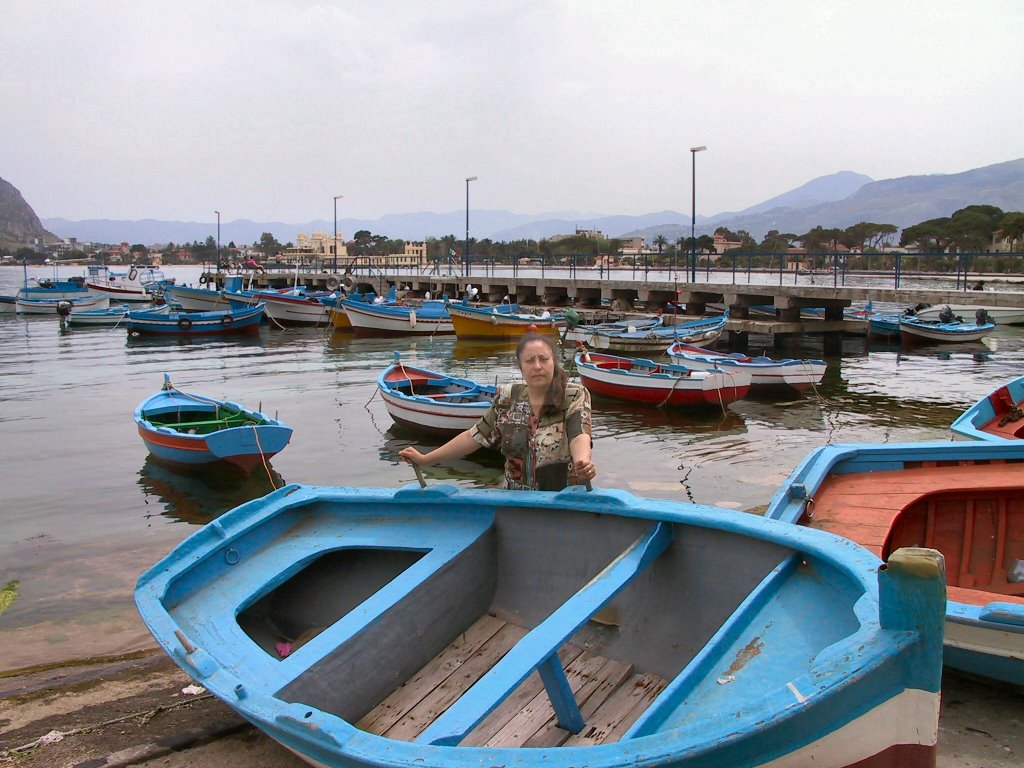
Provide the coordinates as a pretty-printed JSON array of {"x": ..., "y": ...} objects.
[{"x": 267, "y": 109}]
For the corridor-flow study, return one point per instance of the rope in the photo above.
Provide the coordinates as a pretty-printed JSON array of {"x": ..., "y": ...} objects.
[{"x": 263, "y": 457}]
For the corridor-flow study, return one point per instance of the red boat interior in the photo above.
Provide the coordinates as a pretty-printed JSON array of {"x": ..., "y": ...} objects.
[
  {"x": 972, "y": 512},
  {"x": 1009, "y": 418}
]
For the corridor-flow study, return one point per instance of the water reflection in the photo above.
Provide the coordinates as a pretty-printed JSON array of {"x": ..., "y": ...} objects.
[
  {"x": 616, "y": 418},
  {"x": 198, "y": 495},
  {"x": 203, "y": 341},
  {"x": 483, "y": 468}
]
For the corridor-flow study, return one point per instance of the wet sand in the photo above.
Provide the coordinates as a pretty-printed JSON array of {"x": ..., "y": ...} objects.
[{"x": 134, "y": 713}]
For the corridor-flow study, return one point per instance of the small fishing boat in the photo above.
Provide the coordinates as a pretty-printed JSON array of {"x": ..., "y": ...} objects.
[
  {"x": 582, "y": 333},
  {"x": 184, "y": 428},
  {"x": 764, "y": 371},
  {"x": 34, "y": 288},
  {"x": 296, "y": 307},
  {"x": 997, "y": 315},
  {"x": 138, "y": 284},
  {"x": 501, "y": 321},
  {"x": 430, "y": 401},
  {"x": 644, "y": 381},
  {"x": 916, "y": 331},
  {"x": 192, "y": 299},
  {"x": 384, "y": 319},
  {"x": 964, "y": 499},
  {"x": 112, "y": 316},
  {"x": 998, "y": 416},
  {"x": 702, "y": 332},
  {"x": 245, "y": 320},
  {"x": 441, "y": 627},
  {"x": 8, "y": 303},
  {"x": 60, "y": 306},
  {"x": 884, "y": 325}
]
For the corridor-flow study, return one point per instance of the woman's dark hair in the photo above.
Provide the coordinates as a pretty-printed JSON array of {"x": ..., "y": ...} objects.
[{"x": 556, "y": 392}]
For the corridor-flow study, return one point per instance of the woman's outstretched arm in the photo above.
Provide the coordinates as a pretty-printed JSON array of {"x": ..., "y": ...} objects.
[{"x": 461, "y": 445}]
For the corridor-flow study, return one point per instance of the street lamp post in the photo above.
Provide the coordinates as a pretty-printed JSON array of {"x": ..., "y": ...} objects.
[
  {"x": 468, "y": 179},
  {"x": 336, "y": 199},
  {"x": 693, "y": 213},
  {"x": 218, "y": 242}
]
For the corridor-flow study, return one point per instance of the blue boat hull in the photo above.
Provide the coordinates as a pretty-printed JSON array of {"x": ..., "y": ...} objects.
[
  {"x": 375, "y": 627},
  {"x": 195, "y": 323}
]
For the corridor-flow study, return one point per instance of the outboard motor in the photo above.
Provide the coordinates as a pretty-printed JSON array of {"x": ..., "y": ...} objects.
[
  {"x": 64, "y": 308},
  {"x": 981, "y": 316},
  {"x": 946, "y": 315}
]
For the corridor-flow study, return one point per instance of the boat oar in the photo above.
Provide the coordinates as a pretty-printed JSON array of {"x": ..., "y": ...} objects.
[{"x": 419, "y": 475}]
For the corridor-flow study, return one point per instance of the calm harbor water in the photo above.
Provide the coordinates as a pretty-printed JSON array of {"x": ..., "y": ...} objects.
[{"x": 86, "y": 510}]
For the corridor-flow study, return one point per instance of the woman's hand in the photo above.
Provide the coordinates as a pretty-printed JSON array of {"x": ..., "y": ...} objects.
[
  {"x": 412, "y": 456},
  {"x": 584, "y": 469}
]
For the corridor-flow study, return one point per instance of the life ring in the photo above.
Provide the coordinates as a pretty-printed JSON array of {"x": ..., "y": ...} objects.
[
  {"x": 133, "y": 273},
  {"x": 332, "y": 283},
  {"x": 204, "y": 279},
  {"x": 184, "y": 323},
  {"x": 227, "y": 320}
]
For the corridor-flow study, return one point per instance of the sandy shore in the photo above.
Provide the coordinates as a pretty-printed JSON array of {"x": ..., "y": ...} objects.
[{"x": 134, "y": 713}]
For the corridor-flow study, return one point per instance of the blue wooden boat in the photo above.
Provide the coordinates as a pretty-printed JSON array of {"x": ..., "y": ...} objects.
[
  {"x": 963, "y": 499},
  {"x": 243, "y": 320},
  {"x": 701, "y": 332},
  {"x": 997, "y": 416},
  {"x": 188, "y": 429},
  {"x": 913, "y": 330},
  {"x": 432, "y": 402},
  {"x": 885, "y": 325},
  {"x": 444, "y": 628},
  {"x": 764, "y": 371},
  {"x": 425, "y": 319}
]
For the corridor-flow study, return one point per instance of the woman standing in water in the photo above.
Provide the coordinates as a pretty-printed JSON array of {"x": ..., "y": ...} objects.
[{"x": 542, "y": 423}]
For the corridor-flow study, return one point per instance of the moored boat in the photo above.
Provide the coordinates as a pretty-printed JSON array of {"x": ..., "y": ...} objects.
[
  {"x": 373, "y": 319},
  {"x": 138, "y": 284},
  {"x": 53, "y": 306},
  {"x": 432, "y": 402},
  {"x": 189, "y": 429},
  {"x": 582, "y": 333},
  {"x": 997, "y": 416},
  {"x": 193, "y": 299},
  {"x": 296, "y": 308},
  {"x": 965, "y": 499},
  {"x": 644, "y": 381},
  {"x": 112, "y": 316},
  {"x": 245, "y": 320},
  {"x": 764, "y": 371},
  {"x": 916, "y": 331},
  {"x": 501, "y": 321},
  {"x": 997, "y": 315},
  {"x": 702, "y": 332},
  {"x": 663, "y": 634}
]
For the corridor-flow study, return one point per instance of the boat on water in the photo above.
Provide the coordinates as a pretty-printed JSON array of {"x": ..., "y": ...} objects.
[
  {"x": 998, "y": 416},
  {"x": 965, "y": 499},
  {"x": 441, "y": 627},
  {"x": 997, "y": 315},
  {"x": 913, "y": 330},
  {"x": 582, "y": 333},
  {"x": 764, "y": 372},
  {"x": 138, "y": 284},
  {"x": 644, "y": 381},
  {"x": 51, "y": 306},
  {"x": 189, "y": 429},
  {"x": 297, "y": 307},
  {"x": 702, "y": 332},
  {"x": 885, "y": 325},
  {"x": 244, "y": 320},
  {"x": 432, "y": 402},
  {"x": 192, "y": 299},
  {"x": 502, "y": 321},
  {"x": 392, "y": 319},
  {"x": 112, "y": 316},
  {"x": 34, "y": 288}
]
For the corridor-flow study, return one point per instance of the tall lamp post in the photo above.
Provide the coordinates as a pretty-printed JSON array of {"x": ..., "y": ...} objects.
[
  {"x": 218, "y": 242},
  {"x": 336, "y": 199},
  {"x": 468, "y": 179},
  {"x": 693, "y": 213}
]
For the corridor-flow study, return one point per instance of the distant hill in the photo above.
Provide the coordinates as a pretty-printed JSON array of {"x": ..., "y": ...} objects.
[
  {"x": 837, "y": 200},
  {"x": 19, "y": 224},
  {"x": 903, "y": 202}
]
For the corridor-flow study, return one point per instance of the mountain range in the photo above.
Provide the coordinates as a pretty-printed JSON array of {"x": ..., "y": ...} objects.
[{"x": 837, "y": 200}]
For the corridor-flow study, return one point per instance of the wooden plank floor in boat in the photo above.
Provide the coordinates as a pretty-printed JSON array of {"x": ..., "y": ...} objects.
[{"x": 610, "y": 695}]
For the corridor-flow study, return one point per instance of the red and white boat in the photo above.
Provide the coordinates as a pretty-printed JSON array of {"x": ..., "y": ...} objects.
[
  {"x": 644, "y": 381},
  {"x": 764, "y": 371},
  {"x": 295, "y": 309},
  {"x": 430, "y": 318},
  {"x": 141, "y": 284},
  {"x": 430, "y": 401}
]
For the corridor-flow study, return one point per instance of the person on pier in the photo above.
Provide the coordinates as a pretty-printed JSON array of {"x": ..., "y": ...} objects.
[{"x": 542, "y": 426}]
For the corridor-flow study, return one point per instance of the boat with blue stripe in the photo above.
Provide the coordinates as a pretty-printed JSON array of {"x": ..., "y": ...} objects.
[{"x": 437, "y": 627}]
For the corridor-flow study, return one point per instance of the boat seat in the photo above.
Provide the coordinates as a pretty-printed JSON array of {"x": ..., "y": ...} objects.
[{"x": 538, "y": 650}]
